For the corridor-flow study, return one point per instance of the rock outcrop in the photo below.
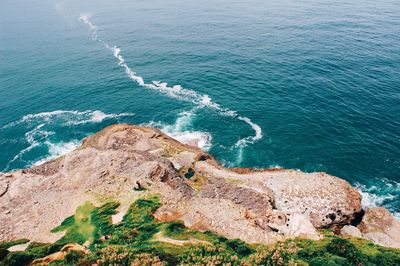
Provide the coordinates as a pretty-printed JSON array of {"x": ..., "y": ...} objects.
[
  {"x": 125, "y": 162},
  {"x": 381, "y": 227}
]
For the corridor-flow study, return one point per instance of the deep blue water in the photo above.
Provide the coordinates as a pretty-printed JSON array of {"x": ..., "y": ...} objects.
[{"x": 319, "y": 81}]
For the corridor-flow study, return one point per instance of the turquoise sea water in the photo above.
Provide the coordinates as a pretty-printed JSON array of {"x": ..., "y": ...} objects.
[{"x": 311, "y": 85}]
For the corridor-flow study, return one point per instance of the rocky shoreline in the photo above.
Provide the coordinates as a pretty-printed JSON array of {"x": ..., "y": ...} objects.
[{"x": 125, "y": 162}]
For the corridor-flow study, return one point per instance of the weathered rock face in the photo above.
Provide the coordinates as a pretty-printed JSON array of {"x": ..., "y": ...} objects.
[
  {"x": 379, "y": 226},
  {"x": 125, "y": 162},
  {"x": 325, "y": 199}
]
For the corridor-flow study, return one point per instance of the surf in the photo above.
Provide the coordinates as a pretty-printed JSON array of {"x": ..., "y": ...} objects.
[
  {"x": 41, "y": 130},
  {"x": 182, "y": 131}
]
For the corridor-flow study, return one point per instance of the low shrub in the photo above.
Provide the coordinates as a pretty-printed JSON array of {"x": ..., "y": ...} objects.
[{"x": 343, "y": 248}]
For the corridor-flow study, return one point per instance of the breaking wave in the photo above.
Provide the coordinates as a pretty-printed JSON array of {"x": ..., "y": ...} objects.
[
  {"x": 181, "y": 130},
  {"x": 57, "y": 150},
  {"x": 384, "y": 193},
  {"x": 41, "y": 134},
  {"x": 176, "y": 91}
]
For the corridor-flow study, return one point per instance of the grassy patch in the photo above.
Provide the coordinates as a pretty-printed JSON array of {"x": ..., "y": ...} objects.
[
  {"x": 79, "y": 227},
  {"x": 133, "y": 242}
]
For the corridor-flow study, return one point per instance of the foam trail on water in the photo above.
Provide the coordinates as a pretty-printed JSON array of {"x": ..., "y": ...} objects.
[
  {"x": 86, "y": 19},
  {"x": 30, "y": 137},
  {"x": 69, "y": 117},
  {"x": 176, "y": 91},
  {"x": 250, "y": 139}
]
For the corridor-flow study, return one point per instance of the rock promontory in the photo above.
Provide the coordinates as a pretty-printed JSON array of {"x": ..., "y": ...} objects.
[{"x": 125, "y": 162}]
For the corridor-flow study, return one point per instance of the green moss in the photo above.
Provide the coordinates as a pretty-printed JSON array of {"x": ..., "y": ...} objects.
[
  {"x": 334, "y": 250},
  {"x": 328, "y": 261},
  {"x": 79, "y": 227},
  {"x": 239, "y": 247},
  {"x": 170, "y": 249},
  {"x": 176, "y": 230},
  {"x": 343, "y": 248}
]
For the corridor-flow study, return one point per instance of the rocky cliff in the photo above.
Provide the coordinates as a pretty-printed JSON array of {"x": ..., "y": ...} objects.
[{"x": 126, "y": 162}]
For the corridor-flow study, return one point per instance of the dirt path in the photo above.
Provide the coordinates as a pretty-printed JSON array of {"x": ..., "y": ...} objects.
[{"x": 159, "y": 237}]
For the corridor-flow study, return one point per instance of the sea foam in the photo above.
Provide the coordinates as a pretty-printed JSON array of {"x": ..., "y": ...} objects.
[
  {"x": 181, "y": 130},
  {"x": 176, "y": 91},
  {"x": 384, "y": 193},
  {"x": 41, "y": 132},
  {"x": 57, "y": 150}
]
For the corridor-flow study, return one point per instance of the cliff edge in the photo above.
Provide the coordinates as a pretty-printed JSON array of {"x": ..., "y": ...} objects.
[{"x": 125, "y": 162}]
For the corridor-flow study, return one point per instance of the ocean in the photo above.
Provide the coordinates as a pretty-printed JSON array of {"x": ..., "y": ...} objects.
[{"x": 311, "y": 85}]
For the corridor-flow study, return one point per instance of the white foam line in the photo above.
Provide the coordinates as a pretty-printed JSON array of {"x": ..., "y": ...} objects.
[
  {"x": 250, "y": 139},
  {"x": 38, "y": 136},
  {"x": 380, "y": 194},
  {"x": 176, "y": 91},
  {"x": 30, "y": 138},
  {"x": 93, "y": 116}
]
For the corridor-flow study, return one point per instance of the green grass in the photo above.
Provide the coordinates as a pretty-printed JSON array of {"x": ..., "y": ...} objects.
[
  {"x": 78, "y": 228},
  {"x": 33, "y": 251},
  {"x": 133, "y": 241},
  {"x": 87, "y": 224}
]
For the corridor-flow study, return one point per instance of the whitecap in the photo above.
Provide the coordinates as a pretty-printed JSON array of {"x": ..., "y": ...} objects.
[
  {"x": 97, "y": 117},
  {"x": 182, "y": 131},
  {"x": 56, "y": 150}
]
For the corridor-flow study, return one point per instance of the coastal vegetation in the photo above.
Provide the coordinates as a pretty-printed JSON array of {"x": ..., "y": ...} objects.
[{"x": 139, "y": 239}]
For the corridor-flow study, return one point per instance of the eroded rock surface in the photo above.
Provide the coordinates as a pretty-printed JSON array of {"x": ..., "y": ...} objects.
[{"x": 124, "y": 162}]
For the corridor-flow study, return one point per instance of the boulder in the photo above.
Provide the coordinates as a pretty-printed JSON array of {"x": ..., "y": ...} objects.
[
  {"x": 381, "y": 227},
  {"x": 349, "y": 230}
]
